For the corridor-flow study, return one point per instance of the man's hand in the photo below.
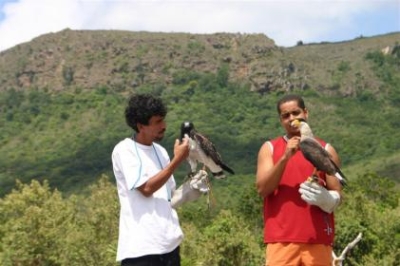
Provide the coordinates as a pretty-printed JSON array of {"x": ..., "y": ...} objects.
[
  {"x": 292, "y": 146},
  {"x": 315, "y": 194},
  {"x": 191, "y": 190},
  {"x": 181, "y": 149}
]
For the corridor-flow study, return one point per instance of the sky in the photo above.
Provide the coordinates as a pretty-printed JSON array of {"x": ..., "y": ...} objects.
[{"x": 284, "y": 21}]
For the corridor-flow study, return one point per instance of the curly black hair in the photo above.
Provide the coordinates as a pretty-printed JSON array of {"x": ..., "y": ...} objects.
[{"x": 141, "y": 107}]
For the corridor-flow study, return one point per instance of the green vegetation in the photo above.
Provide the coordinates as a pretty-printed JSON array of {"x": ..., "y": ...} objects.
[
  {"x": 59, "y": 137},
  {"x": 63, "y": 209},
  {"x": 40, "y": 226},
  {"x": 67, "y": 137}
]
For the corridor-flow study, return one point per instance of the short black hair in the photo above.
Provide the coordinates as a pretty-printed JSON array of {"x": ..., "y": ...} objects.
[
  {"x": 289, "y": 98},
  {"x": 142, "y": 107}
]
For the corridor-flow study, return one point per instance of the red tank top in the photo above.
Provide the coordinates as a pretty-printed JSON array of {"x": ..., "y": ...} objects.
[{"x": 287, "y": 218}]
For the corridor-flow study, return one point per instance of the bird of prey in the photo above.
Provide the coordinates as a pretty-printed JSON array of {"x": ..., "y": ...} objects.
[
  {"x": 315, "y": 153},
  {"x": 202, "y": 150}
]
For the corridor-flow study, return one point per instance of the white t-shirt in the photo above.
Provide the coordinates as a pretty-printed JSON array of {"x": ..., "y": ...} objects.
[{"x": 147, "y": 225}]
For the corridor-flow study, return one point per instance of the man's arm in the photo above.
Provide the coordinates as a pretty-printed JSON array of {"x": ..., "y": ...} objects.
[
  {"x": 181, "y": 152},
  {"x": 269, "y": 174}
]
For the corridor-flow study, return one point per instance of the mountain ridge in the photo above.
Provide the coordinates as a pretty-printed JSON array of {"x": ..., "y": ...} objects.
[{"x": 123, "y": 59}]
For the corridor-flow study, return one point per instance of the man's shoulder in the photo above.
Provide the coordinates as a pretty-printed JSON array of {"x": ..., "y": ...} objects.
[
  {"x": 122, "y": 144},
  {"x": 280, "y": 139}
]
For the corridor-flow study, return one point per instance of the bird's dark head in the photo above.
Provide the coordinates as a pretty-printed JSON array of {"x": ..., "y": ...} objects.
[{"x": 186, "y": 128}]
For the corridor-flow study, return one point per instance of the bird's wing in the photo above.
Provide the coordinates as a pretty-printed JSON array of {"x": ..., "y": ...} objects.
[
  {"x": 318, "y": 156},
  {"x": 209, "y": 149},
  {"x": 207, "y": 146}
]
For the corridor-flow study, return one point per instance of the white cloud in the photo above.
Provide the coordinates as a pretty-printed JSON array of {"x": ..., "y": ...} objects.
[{"x": 285, "y": 21}]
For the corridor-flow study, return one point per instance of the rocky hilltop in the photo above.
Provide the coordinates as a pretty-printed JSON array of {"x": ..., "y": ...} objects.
[{"x": 123, "y": 60}]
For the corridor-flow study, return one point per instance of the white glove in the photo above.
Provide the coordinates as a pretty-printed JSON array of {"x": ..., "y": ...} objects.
[
  {"x": 200, "y": 182},
  {"x": 191, "y": 190},
  {"x": 315, "y": 194}
]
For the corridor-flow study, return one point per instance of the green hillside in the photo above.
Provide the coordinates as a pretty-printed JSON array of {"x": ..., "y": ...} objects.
[
  {"x": 66, "y": 136},
  {"x": 62, "y": 98}
]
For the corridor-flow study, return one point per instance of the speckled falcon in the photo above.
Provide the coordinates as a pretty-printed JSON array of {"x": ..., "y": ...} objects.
[
  {"x": 315, "y": 153},
  {"x": 202, "y": 150}
]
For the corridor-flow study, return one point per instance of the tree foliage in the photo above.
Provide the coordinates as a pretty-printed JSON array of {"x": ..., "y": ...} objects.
[{"x": 41, "y": 226}]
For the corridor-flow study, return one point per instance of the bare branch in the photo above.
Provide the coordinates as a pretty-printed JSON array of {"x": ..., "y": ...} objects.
[{"x": 337, "y": 261}]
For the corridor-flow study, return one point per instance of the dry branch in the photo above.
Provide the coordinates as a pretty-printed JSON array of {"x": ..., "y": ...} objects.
[{"x": 338, "y": 261}]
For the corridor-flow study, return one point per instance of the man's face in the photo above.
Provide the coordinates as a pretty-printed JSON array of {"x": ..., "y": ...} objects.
[
  {"x": 290, "y": 111},
  {"x": 155, "y": 129}
]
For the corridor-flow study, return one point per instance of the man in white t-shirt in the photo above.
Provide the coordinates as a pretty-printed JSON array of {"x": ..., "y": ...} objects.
[{"x": 149, "y": 230}]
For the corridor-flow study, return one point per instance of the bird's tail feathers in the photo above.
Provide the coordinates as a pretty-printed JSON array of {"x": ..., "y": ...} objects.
[
  {"x": 227, "y": 168},
  {"x": 341, "y": 177},
  {"x": 219, "y": 175}
]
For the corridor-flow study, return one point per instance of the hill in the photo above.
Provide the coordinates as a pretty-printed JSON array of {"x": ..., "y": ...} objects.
[
  {"x": 125, "y": 60},
  {"x": 62, "y": 97}
]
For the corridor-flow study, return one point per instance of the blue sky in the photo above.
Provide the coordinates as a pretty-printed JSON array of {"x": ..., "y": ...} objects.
[{"x": 284, "y": 21}]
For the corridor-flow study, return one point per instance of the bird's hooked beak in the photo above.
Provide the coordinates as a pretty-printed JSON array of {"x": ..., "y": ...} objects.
[{"x": 295, "y": 123}]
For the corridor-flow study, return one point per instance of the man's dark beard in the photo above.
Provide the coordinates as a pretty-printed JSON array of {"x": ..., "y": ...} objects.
[{"x": 159, "y": 139}]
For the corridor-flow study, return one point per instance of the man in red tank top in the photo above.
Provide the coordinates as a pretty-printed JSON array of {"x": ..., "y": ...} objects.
[{"x": 298, "y": 221}]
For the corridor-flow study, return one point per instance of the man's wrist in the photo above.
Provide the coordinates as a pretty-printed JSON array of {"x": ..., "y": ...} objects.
[
  {"x": 333, "y": 203},
  {"x": 336, "y": 196}
]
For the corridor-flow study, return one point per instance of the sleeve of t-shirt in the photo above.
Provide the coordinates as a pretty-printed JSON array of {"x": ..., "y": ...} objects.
[{"x": 127, "y": 162}]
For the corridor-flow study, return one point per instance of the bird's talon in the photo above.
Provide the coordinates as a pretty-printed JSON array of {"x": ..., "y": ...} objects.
[
  {"x": 313, "y": 178},
  {"x": 317, "y": 179},
  {"x": 189, "y": 176}
]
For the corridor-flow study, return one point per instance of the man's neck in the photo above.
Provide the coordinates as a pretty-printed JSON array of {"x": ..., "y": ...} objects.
[
  {"x": 141, "y": 139},
  {"x": 289, "y": 136}
]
